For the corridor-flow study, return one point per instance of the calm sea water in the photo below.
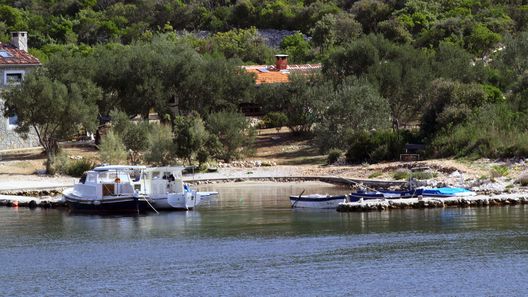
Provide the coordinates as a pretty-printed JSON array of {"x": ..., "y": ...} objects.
[{"x": 249, "y": 242}]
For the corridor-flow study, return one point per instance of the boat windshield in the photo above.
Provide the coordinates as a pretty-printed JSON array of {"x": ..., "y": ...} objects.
[{"x": 113, "y": 176}]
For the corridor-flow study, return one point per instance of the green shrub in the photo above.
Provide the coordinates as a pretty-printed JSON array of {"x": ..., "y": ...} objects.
[
  {"x": 499, "y": 171},
  {"x": 377, "y": 146},
  {"x": 420, "y": 175},
  {"x": 401, "y": 174},
  {"x": 493, "y": 131},
  {"x": 162, "y": 149},
  {"x": 233, "y": 133},
  {"x": 112, "y": 149},
  {"x": 333, "y": 156},
  {"x": 375, "y": 174},
  {"x": 77, "y": 167},
  {"x": 275, "y": 120}
]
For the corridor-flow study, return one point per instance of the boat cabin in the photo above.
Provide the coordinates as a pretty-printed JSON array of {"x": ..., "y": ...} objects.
[
  {"x": 107, "y": 181},
  {"x": 162, "y": 180}
]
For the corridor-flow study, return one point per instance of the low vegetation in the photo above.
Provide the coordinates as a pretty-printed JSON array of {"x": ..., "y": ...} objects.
[{"x": 333, "y": 156}]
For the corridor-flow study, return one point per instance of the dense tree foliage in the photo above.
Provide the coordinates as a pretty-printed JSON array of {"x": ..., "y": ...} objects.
[
  {"x": 54, "y": 109},
  {"x": 446, "y": 68}
]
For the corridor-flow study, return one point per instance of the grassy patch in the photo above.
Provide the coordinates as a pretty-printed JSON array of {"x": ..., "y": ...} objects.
[
  {"x": 401, "y": 174},
  {"x": 313, "y": 160},
  {"x": 420, "y": 175},
  {"x": 404, "y": 174},
  {"x": 499, "y": 171},
  {"x": 375, "y": 174}
]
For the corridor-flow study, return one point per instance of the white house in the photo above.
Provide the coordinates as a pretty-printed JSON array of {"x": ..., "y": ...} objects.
[{"x": 15, "y": 63}]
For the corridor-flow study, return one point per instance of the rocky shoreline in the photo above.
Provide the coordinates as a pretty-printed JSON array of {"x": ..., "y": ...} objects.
[{"x": 423, "y": 202}]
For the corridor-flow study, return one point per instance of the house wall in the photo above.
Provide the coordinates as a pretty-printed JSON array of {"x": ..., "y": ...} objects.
[{"x": 9, "y": 139}]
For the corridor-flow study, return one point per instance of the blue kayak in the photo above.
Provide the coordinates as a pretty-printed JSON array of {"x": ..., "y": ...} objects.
[
  {"x": 424, "y": 192},
  {"x": 447, "y": 192}
]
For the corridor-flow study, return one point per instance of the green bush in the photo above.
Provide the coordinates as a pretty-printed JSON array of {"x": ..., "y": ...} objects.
[
  {"x": 72, "y": 167},
  {"x": 333, "y": 156},
  {"x": 112, "y": 149},
  {"x": 494, "y": 131},
  {"x": 377, "y": 146},
  {"x": 401, "y": 174},
  {"x": 499, "y": 171},
  {"x": 375, "y": 174},
  {"x": 77, "y": 167},
  {"x": 420, "y": 175},
  {"x": 275, "y": 120},
  {"x": 162, "y": 148},
  {"x": 233, "y": 133}
]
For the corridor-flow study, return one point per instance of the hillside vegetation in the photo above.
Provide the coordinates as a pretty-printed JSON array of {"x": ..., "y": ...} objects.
[{"x": 449, "y": 74}]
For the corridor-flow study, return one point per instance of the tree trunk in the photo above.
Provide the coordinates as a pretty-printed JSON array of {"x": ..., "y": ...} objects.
[{"x": 51, "y": 153}]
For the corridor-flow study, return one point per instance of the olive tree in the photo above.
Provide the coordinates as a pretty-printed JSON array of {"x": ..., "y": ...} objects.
[
  {"x": 233, "y": 132},
  {"x": 54, "y": 109}
]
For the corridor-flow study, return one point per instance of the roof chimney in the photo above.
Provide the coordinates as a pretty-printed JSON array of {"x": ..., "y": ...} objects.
[
  {"x": 19, "y": 40},
  {"x": 282, "y": 62}
]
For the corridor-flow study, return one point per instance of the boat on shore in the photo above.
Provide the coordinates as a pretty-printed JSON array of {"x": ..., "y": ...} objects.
[
  {"x": 447, "y": 192},
  {"x": 383, "y": 194},
  {"x": 107, "y": 189},
  {"x": 317, "y": 201},
  {"x": 413, "y": 193}
]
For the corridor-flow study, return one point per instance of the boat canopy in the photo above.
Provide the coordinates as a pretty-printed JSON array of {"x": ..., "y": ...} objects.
[
  {"x": 119, "y": 168},
  {"x": 165, "y": 169}
]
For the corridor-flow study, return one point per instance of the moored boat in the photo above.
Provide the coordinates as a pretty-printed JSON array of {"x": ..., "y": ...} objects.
[
  {"x": 107, "y": 189},
  {"x": 165, "y": 187},
  {"x": 317, "y": 201}
]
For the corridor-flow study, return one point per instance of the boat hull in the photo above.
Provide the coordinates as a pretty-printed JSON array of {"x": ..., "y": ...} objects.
[
  {"x": 357, "y": 196},
  {"x": 127, "y": 204},
  {"x": 174, "y": 201},
  {"x": 320, "y": 202}
]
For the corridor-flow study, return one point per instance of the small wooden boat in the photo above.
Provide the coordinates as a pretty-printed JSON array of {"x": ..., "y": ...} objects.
[
  {"x": 418, "y": 192},
  {"x": 317, "y": 201},
  {"x": 383, "y": 194}
]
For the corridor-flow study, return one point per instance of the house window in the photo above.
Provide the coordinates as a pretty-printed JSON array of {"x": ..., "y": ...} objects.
[
  {"x": 12, "y": 122},
  {"x": 13, "y": 78}
]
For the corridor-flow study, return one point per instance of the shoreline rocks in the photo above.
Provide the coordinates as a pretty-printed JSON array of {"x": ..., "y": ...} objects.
[{"x": 422, "y": 202}]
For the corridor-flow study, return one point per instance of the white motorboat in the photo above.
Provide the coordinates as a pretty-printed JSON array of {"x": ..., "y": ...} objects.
[
  {"x": 107, "y": 189},
  {"x": 317, "y": 201},
  {"x": 165, "y": 187}
]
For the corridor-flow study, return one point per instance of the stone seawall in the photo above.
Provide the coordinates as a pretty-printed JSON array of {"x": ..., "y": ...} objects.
[{"x": 433, "y": 202}]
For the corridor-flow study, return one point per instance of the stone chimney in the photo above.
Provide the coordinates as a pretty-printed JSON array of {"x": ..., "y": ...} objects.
[
  {"x": 19, "y": 40},
  {"x": 281, "y": 62}
]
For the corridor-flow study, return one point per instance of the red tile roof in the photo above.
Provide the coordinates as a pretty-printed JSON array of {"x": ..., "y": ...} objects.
[
  {"x": 269, "y": 75},
  {"x": 17, "y": 57}
]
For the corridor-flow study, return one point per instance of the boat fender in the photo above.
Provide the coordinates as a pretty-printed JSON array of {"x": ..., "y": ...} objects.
[
  {"x": 97, "y": 202},
  {"x": 32, "y": 204},
  {"x": 15, "y": 203}
]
